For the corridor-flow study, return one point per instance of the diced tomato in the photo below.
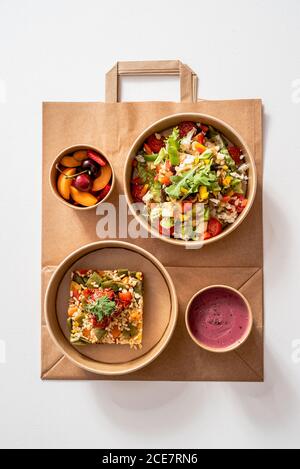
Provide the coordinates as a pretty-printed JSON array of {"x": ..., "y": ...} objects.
[
  {"x": 101, "y": 324},
  {"x": 95, "y": 321},
  {"x": 185, "y": 128},
  {"x": 138, "y": 191},
  {"x": 147, "y": 149},
  {"x": 199, "y": 138},
  {"x": 235, "y": 154},
  {"x": 96, "y": 157},
  {"x": 87, "y": 292},
  {"x": 125, "y": 297},
  {"x": 136, "y": 180},
  {"x": 83, "y": 271},
  {"x": 242, "y": 202},
  {"x": 225, "y": 199},
  {"x": 165, "y": 180},
  {"x": 204, "y": 128},
  {"x": 76, "y": 294},
  {"x": 206, "y": 235},
  {"x": 239, "y": 196},
  {"x": 214, "y": 227},
  {"x": 109, "y": 293},
  {"x": 154, "y": 143}
]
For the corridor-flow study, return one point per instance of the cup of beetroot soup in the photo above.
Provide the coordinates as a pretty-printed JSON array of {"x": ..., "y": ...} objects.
[{"x": 219, "y": 318}]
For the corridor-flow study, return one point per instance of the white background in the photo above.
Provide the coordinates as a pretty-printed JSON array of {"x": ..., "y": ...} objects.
[{"x": 60, "y": 50}]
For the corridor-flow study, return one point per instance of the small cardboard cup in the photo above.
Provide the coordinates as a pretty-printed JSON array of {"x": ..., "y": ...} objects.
[
  {"x": 232, "y": 135},
  {"x": 53, "y": 174},
  {"x": 236, "y": 344}
]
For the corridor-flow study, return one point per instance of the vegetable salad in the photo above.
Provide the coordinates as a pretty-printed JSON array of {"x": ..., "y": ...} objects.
[
  {"x": 106, "y": 307},
  {"x": 191, "y": 180}
]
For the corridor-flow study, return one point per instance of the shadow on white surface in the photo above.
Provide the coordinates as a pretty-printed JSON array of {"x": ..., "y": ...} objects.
[
  {"x": 271, "y": 403},
  {"x": 142, "y": 395},
  {"x": 133, "y": 405},
  {"x": 276, "y": 249}
]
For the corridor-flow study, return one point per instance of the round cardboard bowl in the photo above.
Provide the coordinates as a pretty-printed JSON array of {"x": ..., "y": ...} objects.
[
  {"x": 232, "y": 136},
  {"x": 160, "y": 308},
  {"x": 53, "y": 175},
  {"x": 240, "y": 341}
]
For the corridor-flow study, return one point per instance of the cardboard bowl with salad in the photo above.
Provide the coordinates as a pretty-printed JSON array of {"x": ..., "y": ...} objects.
[{"x": 190, "y": 179}]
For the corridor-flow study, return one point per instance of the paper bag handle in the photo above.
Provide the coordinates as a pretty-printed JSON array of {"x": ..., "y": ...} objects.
[{"x": 188, "y": 78}]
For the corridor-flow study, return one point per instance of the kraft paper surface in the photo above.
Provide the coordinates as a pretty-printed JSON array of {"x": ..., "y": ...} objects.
[{"x": 236, "y": 260}]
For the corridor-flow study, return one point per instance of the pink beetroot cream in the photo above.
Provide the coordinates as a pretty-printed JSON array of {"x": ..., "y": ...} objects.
[{"x": 218, "y": 317}]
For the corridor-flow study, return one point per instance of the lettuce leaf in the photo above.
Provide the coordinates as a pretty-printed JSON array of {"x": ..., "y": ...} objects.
[
  {"x": 144, "y": 173},
  {"x": 180, "y": 182},
  {"x": 206, "y": 213},
  {"x": 161, "y": 156},
  {"x": 172, "y": 147},
  {"x": 228, "y": 160}
]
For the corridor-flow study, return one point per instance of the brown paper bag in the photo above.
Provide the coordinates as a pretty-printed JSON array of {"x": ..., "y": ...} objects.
[{"x": 237, "y": 260}]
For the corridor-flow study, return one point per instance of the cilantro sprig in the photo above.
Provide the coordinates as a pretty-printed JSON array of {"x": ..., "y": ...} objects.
[{"x": 102, "y": 307}]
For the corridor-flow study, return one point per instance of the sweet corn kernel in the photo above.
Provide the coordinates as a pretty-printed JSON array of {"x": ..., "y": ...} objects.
[
  {"x": 225, "y": 167},
  {"x": 184, "y": 190},
  {"x": 203, "y": 192},
  {"x": 227, "y": 180}
]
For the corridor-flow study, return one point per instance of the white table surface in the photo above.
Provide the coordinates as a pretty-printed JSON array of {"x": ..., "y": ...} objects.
[{"x": 59, "y": 51}]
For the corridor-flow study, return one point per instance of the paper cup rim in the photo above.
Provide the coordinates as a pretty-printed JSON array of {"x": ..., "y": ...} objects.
[{"x": 236, "y": 344}]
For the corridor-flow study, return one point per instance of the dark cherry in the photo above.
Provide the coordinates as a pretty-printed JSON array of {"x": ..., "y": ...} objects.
[
  {"x": 91, "y": 167},
  {"x": 83, "y": 182}
]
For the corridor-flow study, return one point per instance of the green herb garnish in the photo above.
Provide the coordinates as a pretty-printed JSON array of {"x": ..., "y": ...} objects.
[{"x": 103, "y": 306}]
